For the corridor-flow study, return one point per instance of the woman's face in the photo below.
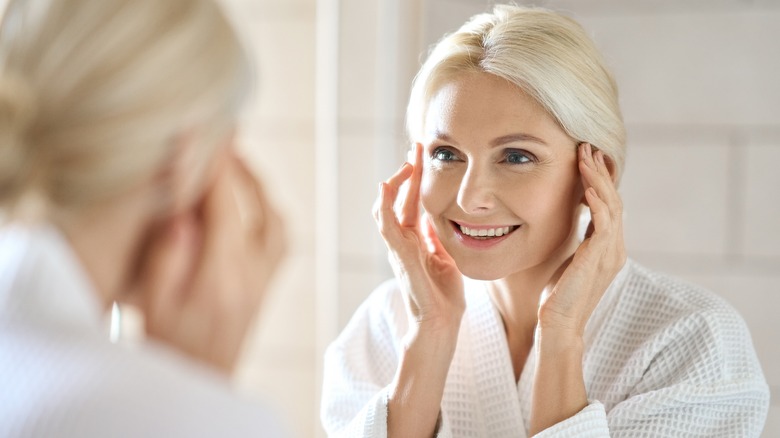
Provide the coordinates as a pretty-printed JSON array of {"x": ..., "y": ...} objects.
[{"x": 500, "y": 178}]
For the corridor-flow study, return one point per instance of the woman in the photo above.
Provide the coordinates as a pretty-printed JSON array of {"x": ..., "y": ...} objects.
[
  {"x": 504, "y": 320},
  {"x": 119, "y": 183}
]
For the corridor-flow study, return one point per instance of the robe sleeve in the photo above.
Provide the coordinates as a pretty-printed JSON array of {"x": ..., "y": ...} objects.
[
  {"x": 358, "y": 367},
  {"x": 703, "y": 381}
]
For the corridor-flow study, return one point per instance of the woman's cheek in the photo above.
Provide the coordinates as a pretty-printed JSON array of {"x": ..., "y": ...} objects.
[{"x": 432, "y": 192}]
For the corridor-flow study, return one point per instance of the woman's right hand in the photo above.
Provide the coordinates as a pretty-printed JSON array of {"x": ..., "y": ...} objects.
[
  {"x": 433, "y": 292},
  {"x": 429, "y": 278}
]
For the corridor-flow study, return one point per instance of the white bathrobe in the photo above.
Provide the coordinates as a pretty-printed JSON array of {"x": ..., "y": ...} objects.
[
  {"x": 61, "y": 377},
  {"x": 662, "y": 359}
]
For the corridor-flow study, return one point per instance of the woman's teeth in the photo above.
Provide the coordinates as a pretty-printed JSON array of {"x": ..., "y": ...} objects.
[{"x": 487, "y": 232}]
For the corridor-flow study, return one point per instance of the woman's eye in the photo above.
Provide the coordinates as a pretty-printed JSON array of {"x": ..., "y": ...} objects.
[
  {"x": 442, "y": 154},
  {"x": 518, "y": 157}
]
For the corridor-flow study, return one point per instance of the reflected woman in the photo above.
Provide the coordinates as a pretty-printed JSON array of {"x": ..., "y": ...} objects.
[
  {"x": 119, "y": 182},
  {"x": 506, "y": 317}
]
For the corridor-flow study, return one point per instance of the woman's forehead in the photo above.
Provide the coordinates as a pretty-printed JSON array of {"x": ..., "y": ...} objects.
[{"x": 482, "y": 107}]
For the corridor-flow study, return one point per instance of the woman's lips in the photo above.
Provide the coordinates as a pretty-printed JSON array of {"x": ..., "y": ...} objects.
[{"x": 482, "y": 236}]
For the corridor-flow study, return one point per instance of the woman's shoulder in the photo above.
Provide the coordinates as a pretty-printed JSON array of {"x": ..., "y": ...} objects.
[
  {"x": 76, "y": 383},
  {"x": 662, "y": 316},
  {"x": 666, "y": 299},
  {"x": 656, "y": 330}
]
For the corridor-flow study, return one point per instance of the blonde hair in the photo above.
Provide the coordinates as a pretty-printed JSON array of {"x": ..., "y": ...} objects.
[
  {"x": 94, "y": 93},
  {"x": 547, "y": 55}
]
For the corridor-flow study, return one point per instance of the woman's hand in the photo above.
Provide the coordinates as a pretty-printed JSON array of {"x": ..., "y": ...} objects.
[
  {"x": 567, "y": 306},
  {"x": 205, "y": 276},
  {"x": 564, "y": 309},
  {"x": 429, "y": 279},
  {"x": 433, "y": 292}
]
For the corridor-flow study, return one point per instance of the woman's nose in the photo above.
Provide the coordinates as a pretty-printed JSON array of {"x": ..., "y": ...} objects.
[{"x": 476, "y": 193}]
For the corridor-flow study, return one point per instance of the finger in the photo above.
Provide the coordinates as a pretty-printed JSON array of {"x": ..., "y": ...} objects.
[
  {"x": 400, "y": 176},
  {"x": 219, "y": 209},
  {"x": 386, "y": 220},
  {"x": 432, "y": 239},
  {"x": 170, "y": 261},
  {"x": 258, "y": 214},
  {"x": 252, "y": 200},
  {"x": 384, "y": 215},
  {"x": 601, "y": 218},
  {"x": 596, "y": 175},
  {"x": 410, "y": 212},
  {"x": 614, "y": 197},
  {"x": 582, "y": 165}
]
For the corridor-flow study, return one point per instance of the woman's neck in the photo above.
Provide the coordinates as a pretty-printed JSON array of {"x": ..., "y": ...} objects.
[
  {"x": 516, "y": 298},
  {"x": 106, "y": 241}
]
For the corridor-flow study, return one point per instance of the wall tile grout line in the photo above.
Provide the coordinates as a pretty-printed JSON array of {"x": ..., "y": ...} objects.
[{"x": 735, "y": 196}]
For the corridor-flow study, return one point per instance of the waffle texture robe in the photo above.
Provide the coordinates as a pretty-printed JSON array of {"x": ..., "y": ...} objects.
[
  {"x": 662, "y": 358},
  {"x": 62, "y": 377}
]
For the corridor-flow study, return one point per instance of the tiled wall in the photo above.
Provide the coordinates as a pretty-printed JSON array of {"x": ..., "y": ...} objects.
[
  {"x": 701, "y": 99},
  {"x": 278, "y": 138}
]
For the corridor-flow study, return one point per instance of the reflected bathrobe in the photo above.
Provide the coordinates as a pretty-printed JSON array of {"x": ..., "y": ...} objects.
[
  {"x": 662, "y": 358},
  {"x": 61, "y": 377}
]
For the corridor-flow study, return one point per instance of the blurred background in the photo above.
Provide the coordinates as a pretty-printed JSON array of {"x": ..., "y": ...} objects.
[{"x": 701, "y": 99}]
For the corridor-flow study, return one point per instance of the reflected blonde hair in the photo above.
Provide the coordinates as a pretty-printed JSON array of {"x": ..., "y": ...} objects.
[
  {"x": 547, "y": 55},
  {"x": 93, "y": 94}
]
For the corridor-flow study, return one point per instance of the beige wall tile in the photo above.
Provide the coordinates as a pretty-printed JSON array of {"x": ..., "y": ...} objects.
[
  {"x": 355, "y": 286},
  {"x": 285, "y": 163},
  {"x": 357, "y": 63},
  {"x": 284, "y": 55},
  {"x": 358, "y": 188},
  {"x": 699, "y": 67},
  {"x": 772, "y": 428},
  {"x": 287, "y": 316},
  {"x": 289, "y": 389},
  {"x": 762, "y": 201},
  {"x": 675, "y": 198},
  {"x": 443, "y": 16}
]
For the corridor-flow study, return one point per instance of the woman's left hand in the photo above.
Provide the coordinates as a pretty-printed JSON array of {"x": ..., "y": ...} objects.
[
  {"x": 566, "y": 306},
  {"x": 205, "y": 276}
]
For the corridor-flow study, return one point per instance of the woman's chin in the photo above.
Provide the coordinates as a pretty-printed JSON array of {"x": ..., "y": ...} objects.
[{"x": 483, "y": 273}]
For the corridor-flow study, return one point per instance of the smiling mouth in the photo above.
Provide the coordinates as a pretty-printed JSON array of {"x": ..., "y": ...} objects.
[{"x": 485, "y": 233}]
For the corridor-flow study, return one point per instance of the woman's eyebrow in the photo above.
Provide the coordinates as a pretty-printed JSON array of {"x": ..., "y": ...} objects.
[
  {"x": 516, "y": 137},
  {"x": 442, "y": 136}
]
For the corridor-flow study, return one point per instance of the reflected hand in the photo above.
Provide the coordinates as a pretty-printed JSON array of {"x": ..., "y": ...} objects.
[{"x": 204, "y": 279}]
